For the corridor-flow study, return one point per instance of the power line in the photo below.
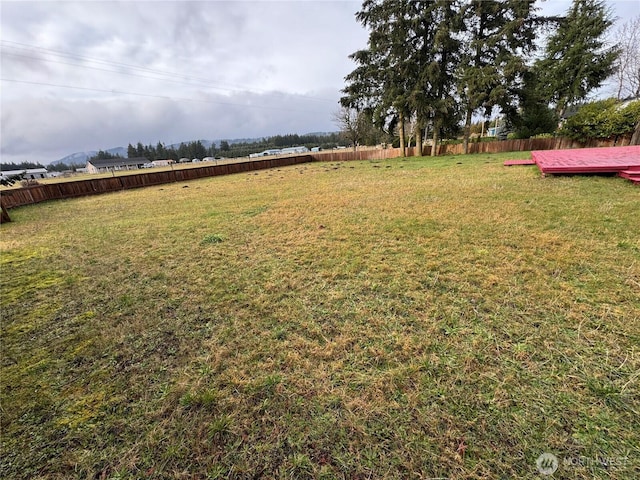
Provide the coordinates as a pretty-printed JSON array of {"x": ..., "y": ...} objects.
[
  {"x": 111, "y": 71},
  {"x": 164, "y": 97},
  {"x": 62, "y": 53},
  {"x": 74, "y": 56}
]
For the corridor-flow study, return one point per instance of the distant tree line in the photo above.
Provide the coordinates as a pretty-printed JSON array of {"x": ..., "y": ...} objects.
[
  {"x": 19, "y": 166},
  {"x": 161, "y": 152},
  {"x": 102, "y": 155},
  {"x": 312, "y": 140},
  {"x": 196, "y": 149},
  {"x": 63, "y": 167}
]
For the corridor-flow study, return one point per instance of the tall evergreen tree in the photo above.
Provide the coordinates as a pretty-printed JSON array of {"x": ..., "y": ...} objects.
[
  {"x": 198, "y": 150},
  {"x": 140, "y": 150},
  {"x": 161, "y": 151},
  {"x": 577, "y": 59},
  {"x": 408, "y": 66},
  {"x": 131, "y": 151},
  {"x": 380, "y": 84},
  {"x": 369, "y": 92},
  {"x": 183, "y": 151},
  {"x": 440, "y": 54},
  {"x": 534, "y": 116},
  {"x": 212, "y": 151},
  {"x": 499, "y": 36}
]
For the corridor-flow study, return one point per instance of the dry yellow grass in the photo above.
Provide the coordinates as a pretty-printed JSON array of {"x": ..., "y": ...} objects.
[{"x": 410, "y": 318}]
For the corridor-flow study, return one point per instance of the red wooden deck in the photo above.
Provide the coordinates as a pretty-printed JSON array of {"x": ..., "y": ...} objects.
[
  {"x": 588, "y": 160},
  {"x": 625, "y": 161},
  {"x": 632, "y": 173}
]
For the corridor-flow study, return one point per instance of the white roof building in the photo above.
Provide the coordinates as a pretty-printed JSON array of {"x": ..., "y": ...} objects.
[
  {"x": 28, "y": 173},
  {"x": 273, "y": 151}
]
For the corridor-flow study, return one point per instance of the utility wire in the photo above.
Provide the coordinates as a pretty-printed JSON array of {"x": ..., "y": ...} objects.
[
  {"x": 61, "y": 53},
  {"x": 29, "y": 48},
  {"x": 164, "y": 97},
  {"x": 111, "y": 71}
]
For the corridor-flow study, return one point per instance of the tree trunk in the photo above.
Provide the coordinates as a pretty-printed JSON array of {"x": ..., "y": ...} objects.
[
  {"x": 467, "y": 130},
  {"x": 635, "y": 138},
  {"x": 436, "y": 131},
  {"x": 418, "y": 152},
  {"x": 403, "y": 146},
  {"x": 561, "y": 108}
]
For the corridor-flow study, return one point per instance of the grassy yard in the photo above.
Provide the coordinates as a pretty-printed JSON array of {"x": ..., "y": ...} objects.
[{"x": 409, "y": 318}]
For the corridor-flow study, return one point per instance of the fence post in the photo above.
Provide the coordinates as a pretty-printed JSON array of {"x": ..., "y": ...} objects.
[{"x": 4, "y": 217}]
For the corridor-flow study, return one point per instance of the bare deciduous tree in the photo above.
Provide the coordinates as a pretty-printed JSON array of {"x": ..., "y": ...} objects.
[
  {"x": 627, "y": 76},
  {"x": 350, "y": 125}
]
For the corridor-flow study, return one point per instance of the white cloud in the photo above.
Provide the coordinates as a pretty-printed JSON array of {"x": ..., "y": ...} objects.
[{"x": 200, "y": 70}]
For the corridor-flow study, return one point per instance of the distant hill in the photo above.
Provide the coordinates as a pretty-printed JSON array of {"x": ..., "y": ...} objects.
[{"x": 80, "y": 158}]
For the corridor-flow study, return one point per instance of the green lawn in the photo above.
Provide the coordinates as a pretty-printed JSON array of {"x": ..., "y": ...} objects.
[{"x": 408, "y": 318}]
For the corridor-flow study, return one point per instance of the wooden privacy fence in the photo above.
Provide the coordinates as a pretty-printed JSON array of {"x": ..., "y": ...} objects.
[
  {"x": 366, "y": 154},
  {"x": 55, "y": 191},
  {"x": 555, "y": 143},
  {"x": 41, "y": 193}
]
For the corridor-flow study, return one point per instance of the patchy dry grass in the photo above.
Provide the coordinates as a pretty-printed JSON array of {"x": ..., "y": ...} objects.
[{"x": 409, "y": 318}]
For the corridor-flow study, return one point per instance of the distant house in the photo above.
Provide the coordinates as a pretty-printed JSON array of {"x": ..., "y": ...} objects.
[
  {"x": 115, "y": 164},
  {"x": 162, "y": 163},
  {"x": 266, "y": 153},
  {"x": 27, "y": 173}
]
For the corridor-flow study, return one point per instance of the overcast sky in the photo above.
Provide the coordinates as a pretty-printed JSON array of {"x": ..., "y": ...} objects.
[{"x": 90, "y": 75}]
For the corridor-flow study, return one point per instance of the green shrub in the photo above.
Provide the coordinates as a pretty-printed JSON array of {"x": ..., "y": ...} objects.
[{"x": 602, "y": 119}]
